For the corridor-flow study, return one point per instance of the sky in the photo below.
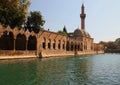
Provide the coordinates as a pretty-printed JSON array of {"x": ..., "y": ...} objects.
[{"x": 102, "y": 16}]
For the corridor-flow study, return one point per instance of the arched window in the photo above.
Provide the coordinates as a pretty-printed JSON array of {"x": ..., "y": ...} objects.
[
  {"x": 81, "y": 48},
  {"x": 7, "y": 41},
  {"x": 20, "y": 42},
  {"x": 75, "y": 47},
  {"x": 54, "y": 44},
  {"x": 67, "y": 46},
  {"x": 44, "y": 43},
  {"x": 78, "y": 47},
  {"x": 85, "y": 45},
  {"x": 59, "y": 44},
  {"x": 71, "y": 46},
  {"x": 32, "y": 43},
  {"x": 49, "y": 44},
  {"x": 63, "y": 44}
]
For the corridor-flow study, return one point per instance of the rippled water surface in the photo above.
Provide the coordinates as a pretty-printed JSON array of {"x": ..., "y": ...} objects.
[{"x": 103, "y": 69}]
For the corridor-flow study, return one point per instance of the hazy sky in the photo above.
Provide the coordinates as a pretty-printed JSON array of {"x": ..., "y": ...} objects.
[{"x": 102, "y": 16}]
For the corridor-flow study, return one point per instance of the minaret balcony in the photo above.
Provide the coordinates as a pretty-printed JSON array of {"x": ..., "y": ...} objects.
[{"x": 82, "y": 15}]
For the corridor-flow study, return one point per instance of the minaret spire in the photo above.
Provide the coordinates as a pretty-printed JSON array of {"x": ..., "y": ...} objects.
[
  {"x": 82, "y": 15},
  {"x": 82, "y": 1}
]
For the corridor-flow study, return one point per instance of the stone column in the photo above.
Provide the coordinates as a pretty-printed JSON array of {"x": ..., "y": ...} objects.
[
  {"x": 14, "y": 44},
  {"x": 26, "y": 46},
  {"x": 38, "y": 47},
  {"x": 56, "y": 45},
  {"x": 60, "y": 43},
  {"x": 64, "y": 45},
  {"x": 51, "y": 45},
  {"x": 73, "y": 46},
  {"x": 46, "y": 44},
  {"x": 82, "y": 47},
  {"x": 69, "y": 47}
]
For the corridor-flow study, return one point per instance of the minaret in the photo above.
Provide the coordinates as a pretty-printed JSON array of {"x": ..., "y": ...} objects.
[{"x": 82, "y": 15}]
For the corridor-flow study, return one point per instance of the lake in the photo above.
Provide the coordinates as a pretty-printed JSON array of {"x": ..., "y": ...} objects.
[{"x": 101, "y": 69}]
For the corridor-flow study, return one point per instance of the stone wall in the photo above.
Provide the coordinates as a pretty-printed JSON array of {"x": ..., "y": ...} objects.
[
  {"x": 56, "y": 53},
  {"x": 10, "y": 54}
]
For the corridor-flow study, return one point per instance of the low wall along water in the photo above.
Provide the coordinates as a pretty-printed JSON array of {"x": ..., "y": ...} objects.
[{"x": 8, "y": 54}]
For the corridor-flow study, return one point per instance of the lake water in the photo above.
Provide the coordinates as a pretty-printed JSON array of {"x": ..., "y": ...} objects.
[{"x": 102, "y": 69}]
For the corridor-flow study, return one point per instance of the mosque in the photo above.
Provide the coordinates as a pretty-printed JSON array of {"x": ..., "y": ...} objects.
[
  {"x": 83, "y": 37},
  {"x": 17, "y": 43}
]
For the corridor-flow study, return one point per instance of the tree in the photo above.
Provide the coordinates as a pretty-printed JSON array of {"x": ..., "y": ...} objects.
[
  {"x": 111, "y": 45},
  {"x": 62, "y": 32},
  {"x": 12, "y": 12},
  {"x": 117, "y": 41},
  {"x": 65, "y": 30},
  {"x": 34, "y": 21}
]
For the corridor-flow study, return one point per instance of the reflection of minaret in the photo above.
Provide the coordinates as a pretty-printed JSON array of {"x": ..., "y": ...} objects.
[{"x": 82, "y": 15}]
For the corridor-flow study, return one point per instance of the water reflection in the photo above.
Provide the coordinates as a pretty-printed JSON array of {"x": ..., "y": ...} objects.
[
  {"x": 79, "y": 70},
  {"x": 17, "y": 72},
  {"x": 63, "y": 71}
]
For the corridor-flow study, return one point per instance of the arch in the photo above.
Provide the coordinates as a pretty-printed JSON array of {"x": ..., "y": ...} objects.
[
  {"x": 59, "y": 42},
  {"x": 81, "y": 48},
  {"x": 72, "y": 46},
  {"x": 75, "y": 47},
  {"x": 44, "y": 43},
  {"x": 7, "y": 41},
  {"x": 91, "y": 47},
  {"x": 78, "y": 47},
  {"x": 32, "y": 43},
  {"x": 20, "y": 42},
  {"x": 85, "y": 46},
  {"x": 49, "y": 44},
  {"x": 54, "y": 44},
  {"x": 67, "y": 45},
  {"x": 1, "y": 43},
  {"x": 63, "y": 46}
]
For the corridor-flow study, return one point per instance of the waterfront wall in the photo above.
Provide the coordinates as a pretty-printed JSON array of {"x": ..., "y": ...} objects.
[
  {"x": 56, "y": 53},
  {"x": 8, "y": 54}
]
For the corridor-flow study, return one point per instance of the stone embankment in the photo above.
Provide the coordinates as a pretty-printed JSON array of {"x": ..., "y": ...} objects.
[
  {"x": 67, "y": 53},
  {"x": 6, "y": 54}
]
